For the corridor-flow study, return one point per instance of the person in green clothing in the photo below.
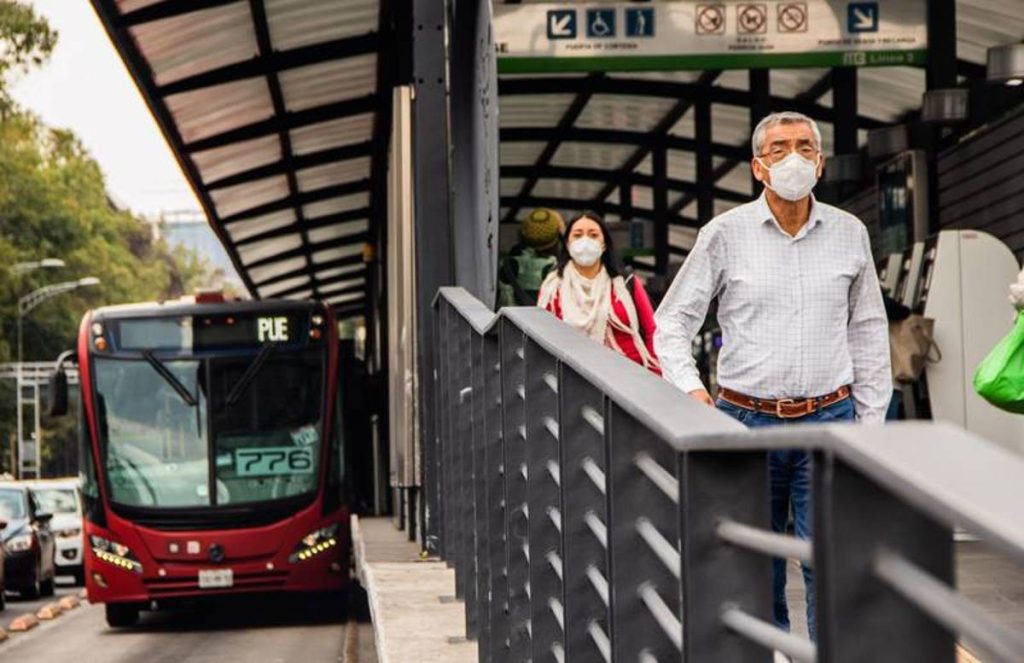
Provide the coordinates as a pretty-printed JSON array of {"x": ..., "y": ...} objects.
[{"x": 528, "y": 263}]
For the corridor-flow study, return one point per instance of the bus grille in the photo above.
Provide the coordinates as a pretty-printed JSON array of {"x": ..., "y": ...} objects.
[{"x": 250, "y": 581}]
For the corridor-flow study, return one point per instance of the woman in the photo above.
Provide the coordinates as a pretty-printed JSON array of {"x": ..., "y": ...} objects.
[{"x": 588, "y": 293}]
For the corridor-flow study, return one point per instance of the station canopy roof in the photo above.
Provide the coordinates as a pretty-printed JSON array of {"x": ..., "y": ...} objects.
[
  {"x": 271, "y": 109},
  {"x": 569, "y": 141}
]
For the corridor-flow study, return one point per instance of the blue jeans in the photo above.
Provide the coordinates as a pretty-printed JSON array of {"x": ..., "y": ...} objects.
[{"x": 790, "y": 476}]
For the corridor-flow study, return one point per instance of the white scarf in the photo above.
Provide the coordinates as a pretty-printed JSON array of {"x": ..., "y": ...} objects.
[{"x": 586, "y": 304}]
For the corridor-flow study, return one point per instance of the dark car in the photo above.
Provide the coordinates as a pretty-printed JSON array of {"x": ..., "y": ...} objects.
[{"x": 29, "y": 567}]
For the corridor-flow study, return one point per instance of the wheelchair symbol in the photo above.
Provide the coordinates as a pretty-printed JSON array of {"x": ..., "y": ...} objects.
[{"x": 600, "y": 23}]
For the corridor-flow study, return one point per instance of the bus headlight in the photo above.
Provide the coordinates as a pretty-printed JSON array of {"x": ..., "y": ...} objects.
[
  {"x": 115, "y": 553},
  {"x": 315, "y": 543}
]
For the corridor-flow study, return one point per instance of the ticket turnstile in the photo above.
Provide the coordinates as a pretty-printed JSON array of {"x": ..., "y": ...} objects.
[
  {"x": 963, "y": 284},
  {"x": 889, "y": 272}
]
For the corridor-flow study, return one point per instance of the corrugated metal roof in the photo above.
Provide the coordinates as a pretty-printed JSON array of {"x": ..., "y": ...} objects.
[{"x": 270, "y": 106}]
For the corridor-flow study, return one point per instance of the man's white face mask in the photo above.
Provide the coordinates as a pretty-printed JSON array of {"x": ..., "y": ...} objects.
[{"x": 793, "y": 178}]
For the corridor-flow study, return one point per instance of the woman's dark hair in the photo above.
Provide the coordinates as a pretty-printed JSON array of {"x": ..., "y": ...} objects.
[{"x": 607, "y": 258}]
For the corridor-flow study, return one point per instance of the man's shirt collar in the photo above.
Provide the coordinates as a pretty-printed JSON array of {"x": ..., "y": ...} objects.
[{"x": 764, "y": 213}]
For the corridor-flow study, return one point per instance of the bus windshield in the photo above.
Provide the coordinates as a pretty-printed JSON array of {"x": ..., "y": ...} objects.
[{"x": 161, "y": 449}]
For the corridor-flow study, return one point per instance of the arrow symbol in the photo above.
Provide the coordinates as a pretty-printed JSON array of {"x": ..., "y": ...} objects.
[
  {"x": 560, "y": 25},
  {"x": 865, "y": 19}
]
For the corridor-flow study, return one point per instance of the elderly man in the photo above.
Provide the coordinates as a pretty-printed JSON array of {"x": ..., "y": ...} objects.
[{"x": 803, "y": 326}]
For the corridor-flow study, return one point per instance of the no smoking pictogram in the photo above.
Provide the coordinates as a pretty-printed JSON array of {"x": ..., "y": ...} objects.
[
  {"x": 793, "y": 17},
  {"x": 710, "y": 19},
  {"x": 751, "y": 19}
]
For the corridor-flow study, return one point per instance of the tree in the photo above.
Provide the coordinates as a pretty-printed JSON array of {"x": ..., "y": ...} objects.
[{"x": 54, "y": 203}]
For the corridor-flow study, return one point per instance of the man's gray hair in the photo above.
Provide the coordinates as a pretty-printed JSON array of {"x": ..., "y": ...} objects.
[{"x": 784, "y": 117}]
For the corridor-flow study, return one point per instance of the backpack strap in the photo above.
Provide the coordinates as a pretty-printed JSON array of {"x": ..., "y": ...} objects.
[{"x": 629, "y": 279}]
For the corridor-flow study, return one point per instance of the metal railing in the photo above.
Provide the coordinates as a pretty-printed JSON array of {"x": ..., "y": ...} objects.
[{"x": 593, "y": 513}]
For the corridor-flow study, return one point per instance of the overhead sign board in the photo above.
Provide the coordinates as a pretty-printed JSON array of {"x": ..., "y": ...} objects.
[{"x": 684, "y": 34}]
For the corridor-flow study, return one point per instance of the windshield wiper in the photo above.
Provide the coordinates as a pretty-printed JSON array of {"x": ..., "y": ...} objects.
[
  {"x": 250, "y": 373},
  {"x": 170, "y": 378}
]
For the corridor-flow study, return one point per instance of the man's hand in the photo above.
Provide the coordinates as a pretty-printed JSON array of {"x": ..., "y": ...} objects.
[{"x": 702, "y": 396}]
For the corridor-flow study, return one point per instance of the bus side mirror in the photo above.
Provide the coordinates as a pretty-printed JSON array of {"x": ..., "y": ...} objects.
[{"x": 58, "y": 405}]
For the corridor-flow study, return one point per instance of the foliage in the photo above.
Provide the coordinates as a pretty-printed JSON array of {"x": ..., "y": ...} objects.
[{"x": 54, "y": 204}]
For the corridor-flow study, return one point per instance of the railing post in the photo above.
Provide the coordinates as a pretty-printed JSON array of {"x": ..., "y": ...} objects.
[
  {"x": 444, "y": 437},
  {"x": 643, "y": 534},
  {"x": 585, "y": 515},
  {"x": 513, "y": 376},
  {"x": 717, "y": 486},
  {"x": 465, "y": 570},
  {"x": 859, "y": 618},
  {"x": 547, "y": 601},
  {"x": 494, "y": 597}
]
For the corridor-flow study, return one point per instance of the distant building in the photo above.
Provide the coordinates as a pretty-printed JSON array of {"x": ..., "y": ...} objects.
[{"x": 188, "y": 228}]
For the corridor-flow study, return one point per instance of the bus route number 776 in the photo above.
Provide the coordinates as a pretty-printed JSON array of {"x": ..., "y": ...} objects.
[{"x": 271, "y": 461}]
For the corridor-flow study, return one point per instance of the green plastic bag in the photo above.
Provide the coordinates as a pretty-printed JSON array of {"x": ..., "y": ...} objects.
[{"x": 999, "y": 378}]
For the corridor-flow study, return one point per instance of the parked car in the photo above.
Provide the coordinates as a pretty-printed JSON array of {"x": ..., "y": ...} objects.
[
  {"x": 61, "y": 498},
  {"x": 29, "y": 567}
]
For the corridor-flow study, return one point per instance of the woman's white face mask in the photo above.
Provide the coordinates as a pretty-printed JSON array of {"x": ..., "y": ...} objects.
[
  {"x": 793, "y": 178},
  {"x": 585, "y": 251}
]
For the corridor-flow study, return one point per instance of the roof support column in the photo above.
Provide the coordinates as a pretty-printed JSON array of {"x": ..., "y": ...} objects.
[
  {"x": 760, "y": 107},
  {"x": 844, "y": 106},
  {"x": 659, "y": 167},
  {"x": 941, "y": 73},
  {"x": 433, "y": 251},
  {"x": 705, "y": 165}
]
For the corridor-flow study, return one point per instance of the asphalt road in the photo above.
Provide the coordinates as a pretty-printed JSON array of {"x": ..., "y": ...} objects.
[{"x": 275, "y": 629}]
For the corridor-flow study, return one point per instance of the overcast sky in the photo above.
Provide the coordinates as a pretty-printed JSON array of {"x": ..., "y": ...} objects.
[{"x": 85, "y": 87}]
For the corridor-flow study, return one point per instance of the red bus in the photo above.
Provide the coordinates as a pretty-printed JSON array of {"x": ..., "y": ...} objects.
[{"x": 211, "y": 454}]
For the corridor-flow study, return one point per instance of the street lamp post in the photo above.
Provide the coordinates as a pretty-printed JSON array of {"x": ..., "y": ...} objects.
[{"x": 25, "y": 305}]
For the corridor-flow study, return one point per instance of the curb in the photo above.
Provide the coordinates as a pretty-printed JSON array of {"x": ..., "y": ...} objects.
[
  {"x": 49, "y": 611},
  {"x": 69, "y": 603},
  {"x": 23, "y": 623}
]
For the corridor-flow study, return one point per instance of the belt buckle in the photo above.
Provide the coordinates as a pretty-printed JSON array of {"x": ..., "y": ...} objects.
[{"x": 778, "y": 409}]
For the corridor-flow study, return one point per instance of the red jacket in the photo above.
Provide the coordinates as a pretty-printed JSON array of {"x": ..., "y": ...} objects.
[{"x": 644, "y": 314}]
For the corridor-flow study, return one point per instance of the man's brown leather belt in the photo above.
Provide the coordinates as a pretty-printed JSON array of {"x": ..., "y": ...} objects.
[{"x": 786, "y": 408}]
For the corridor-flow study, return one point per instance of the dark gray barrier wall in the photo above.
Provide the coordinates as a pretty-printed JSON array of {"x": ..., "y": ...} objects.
[{"x": 592, "y": 512}]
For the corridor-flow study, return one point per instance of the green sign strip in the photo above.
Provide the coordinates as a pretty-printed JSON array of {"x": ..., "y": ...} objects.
[{"x": 548, "y": 65}]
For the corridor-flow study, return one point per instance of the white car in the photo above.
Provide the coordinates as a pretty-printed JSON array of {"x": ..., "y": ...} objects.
[{"x": 61, "y": 498}]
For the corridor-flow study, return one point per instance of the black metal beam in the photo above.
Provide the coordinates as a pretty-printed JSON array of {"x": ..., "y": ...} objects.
[
  {"x": 659, "y": 167},
  {"x": 347, "y": 290},
  {"x": 347, "y": 261},
  {"x": 673, "y": 90},
  {"x": 613, "y": 178},
  {"x": 276, "y": 62},
  {"x": 288, "y": 122},
  {"x": 299, "y": 198},
  {"x": 333, "y": 243},
  {"x": 361, "y": 214},
  {"x": 341, "y": 278},
  {"x": 941, "y": 70},
  {"x": 662, "y": 128},
  {"x": 970, "y": 70},
  {"x": 760, "y": 106},
  {"x": 703, "y": 156},
  {"x": 302, "y": 162},
  {"x": 581, "y": 204},
  {"x": 566, "y": 122},
  {"x": 844, "y": 101},
  {"x": 166, "y": 9},
  {"x": 613, "y": 137}
]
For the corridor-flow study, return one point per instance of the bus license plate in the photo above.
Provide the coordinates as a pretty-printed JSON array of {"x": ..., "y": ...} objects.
[{"x": 214, "y": 578}]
